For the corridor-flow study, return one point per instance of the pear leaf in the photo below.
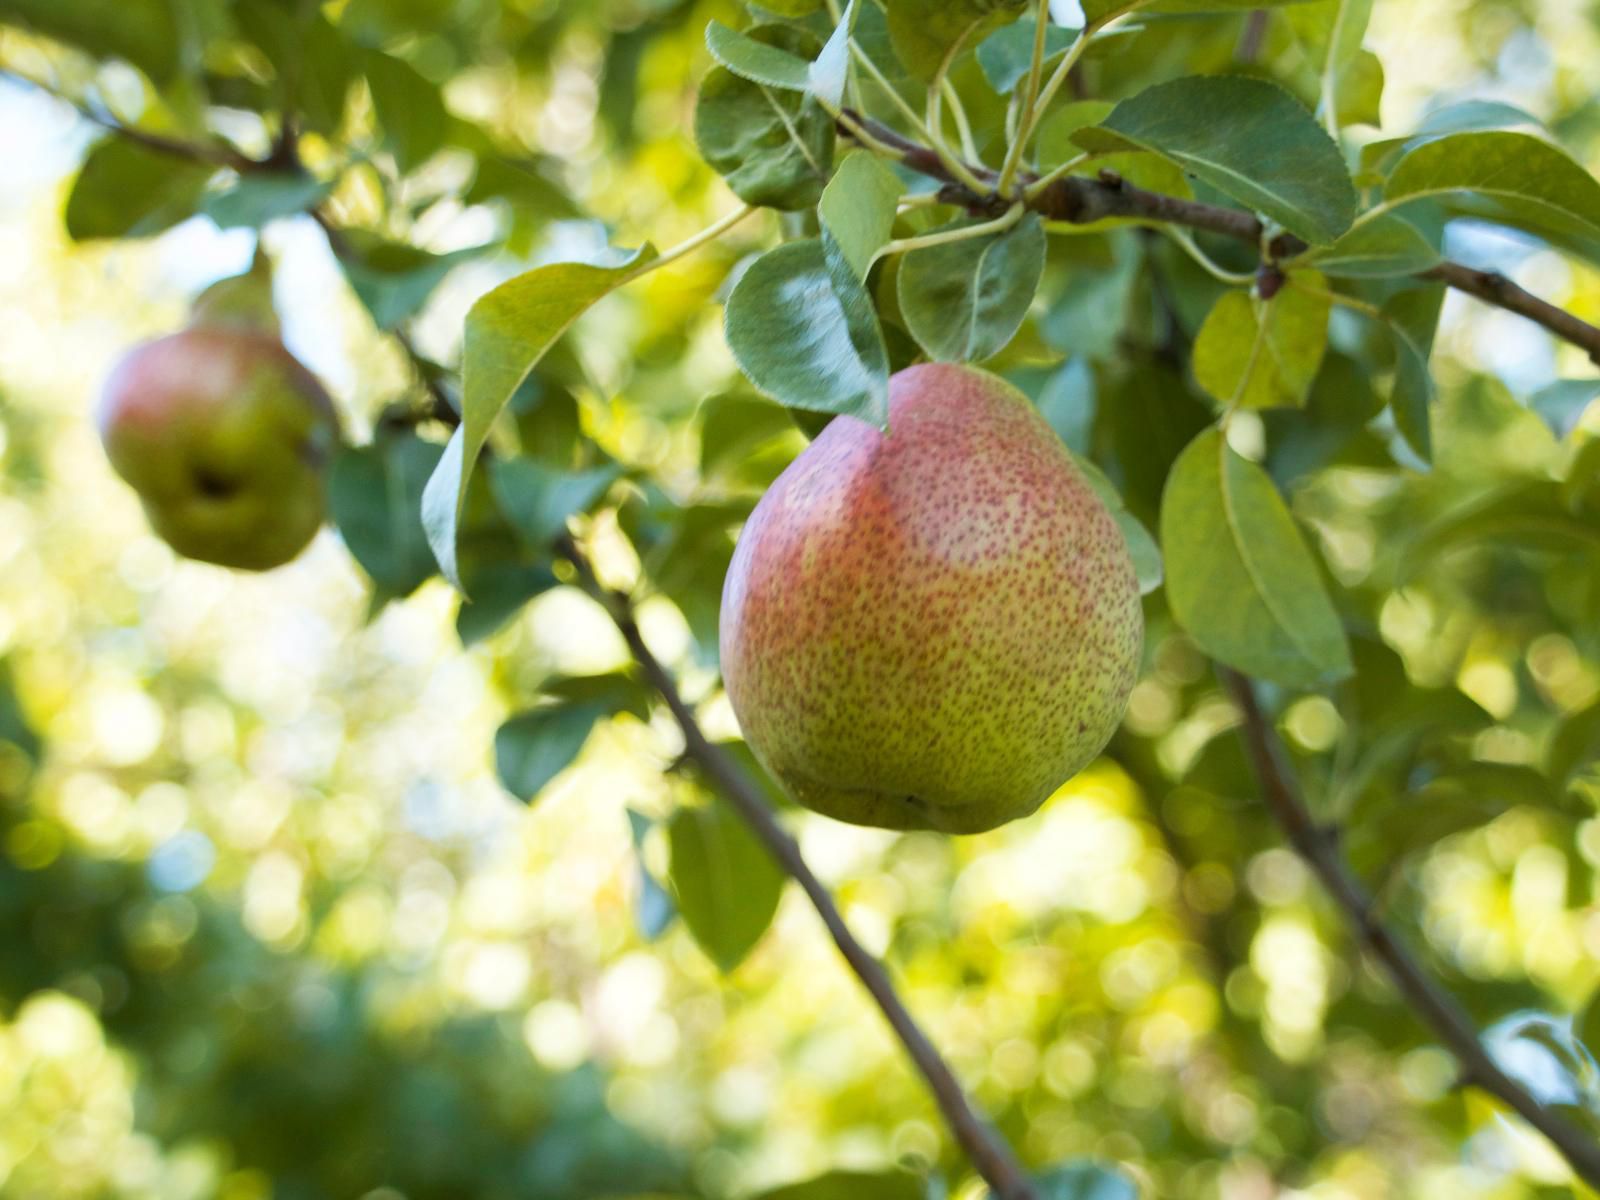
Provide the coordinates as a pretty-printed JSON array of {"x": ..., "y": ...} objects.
[
  {"x": 858, "y": 208},
  {"x": 508, "y": 331},
  {"x": 804, "y": 331},
  {"x": 1255, "y": 353},
  {"x": 757, "y": 61},
  {"x": 963, "y": 301},
  {"x": 531, "y": 749},
  {"x": 1240, "y": 578},
  {"x": 1513, "y": 178},
  {"x": 1249, "y": 139},
  {"x": 727, "y": 885}
]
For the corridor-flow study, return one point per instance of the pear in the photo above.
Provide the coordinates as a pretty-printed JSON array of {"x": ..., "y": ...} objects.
[
  {"x": 227, "y": 439},
  {"x": 933, "y": 627}
]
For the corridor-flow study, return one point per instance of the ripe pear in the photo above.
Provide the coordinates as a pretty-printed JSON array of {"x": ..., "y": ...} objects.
[
  {"x": 933, "y": 627},
  {"x": 227, "y": 439}
]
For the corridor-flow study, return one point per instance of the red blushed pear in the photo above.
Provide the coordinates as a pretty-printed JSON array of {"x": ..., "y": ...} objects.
[
  {"x": 227, "y": 440},
  {"x": 936, "y": 627}
]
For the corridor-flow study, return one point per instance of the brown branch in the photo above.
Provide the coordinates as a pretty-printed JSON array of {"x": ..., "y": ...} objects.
[
  {"x": 201, "y": 152},
  {"x": 1494, "y": 288},
  {"x": 440, "y": 406},
  {"x": 1437, "y": 1009},
  {"x": 1252, "y": 37},
  {"x": 1078, "y": 200},
  {"x": 989, "y": 1152}
]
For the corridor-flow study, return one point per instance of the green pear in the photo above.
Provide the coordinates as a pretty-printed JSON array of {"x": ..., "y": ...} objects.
[
  {"x": 227, "y": 440},
  {"x": 934, "y": 627}
]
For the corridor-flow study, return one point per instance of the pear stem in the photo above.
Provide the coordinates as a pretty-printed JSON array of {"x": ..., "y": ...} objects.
[{"x": 989, "y": 1152}]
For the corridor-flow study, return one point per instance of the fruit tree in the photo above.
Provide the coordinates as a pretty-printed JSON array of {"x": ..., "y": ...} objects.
[{"x": 1101, "y": 496}]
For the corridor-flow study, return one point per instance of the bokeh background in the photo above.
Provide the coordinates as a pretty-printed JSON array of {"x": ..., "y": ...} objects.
[{"x": 270, "y": 926}]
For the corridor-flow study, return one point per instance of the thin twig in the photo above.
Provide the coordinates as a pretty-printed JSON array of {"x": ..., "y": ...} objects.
[
  {"x": 1251, "y": 39},
  {"x": 1437, "y": 1009},
  {"x": 945, "y": 237},
  {"x": 989, "y": 1152},
  {"x": 200, "y": 152},
  {"x": 1494, "y": 288},
  {"x": 1024, "y": 100}
]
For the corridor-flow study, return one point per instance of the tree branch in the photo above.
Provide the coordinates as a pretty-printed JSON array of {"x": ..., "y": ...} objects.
[
  {"x": 1077, "y": 200},
  {"x": 1434, "y": 1006},
  {"x": 989, "y": 1153},
  {"x": 1252, "y": 37},
  {"x": 1493, "y": 288},
  {"x": 200, "y": 152}
]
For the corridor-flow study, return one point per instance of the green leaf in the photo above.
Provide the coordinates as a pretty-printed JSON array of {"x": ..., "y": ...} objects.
[
  {"x": 315, "y": 64},
  {"x": 685, "y": 550},
  {"x": 1513, "y": 178},
  {"x": 375, "y": 499},
  {"x": 615, "y": 691},
  {"x": 924, "y": 31},
  {"x": 508, "y": 332},
  {"x": 1358, "y": 91},
  {"x": 804, "y": 331},
  {"x": 1240, "y": 578},
  {"x": 393, "y": 280},
  {"x": 529, "y": 185},
  {"x": 538, "y": 499},
  {"x": 1380, "y": 156},
  {"x": 759, "y": 62},
  {"x": 726, "y": 883},
  {"x": 415, "y": 122},
  {"x": 1254, "y": 353},
  {"x": 1088, "y": 316},
  {"x": 774, "y": 147},
  {"x": 142, "y": 32},
  {"x": 1330, "y": 33},
  {"x": 260, "y": 197},
  {"x": 1385, "y": 246},
  {"x": 853, "y": 1185},
  {"x": 534, "y": 747},
  {"x": 124, "y": 190},
  {"x": 740, "y": 753},
  {"x": 858, "y": 208},
  {"x": 1384, "y": 830},
  {"x": 1413, "y": 318},
  {"x": 1249, "y": 139},
  {"x": 653, "y": 909},
  {"x": 1330, "y": 30},
  {"x": 1341, "y": 403},
  {"x": 500, "y": 584},
  {"x": 1006, "y": 55},
  {"x": 1532, "y": 515},
  {"x": 1563, "y": 403},
  {"x": 1056, "y": 131},
  {"x": 1142, "y": 547},
  {"x": 963, "y": 301},
  {"x": 745, "y": 442}
]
